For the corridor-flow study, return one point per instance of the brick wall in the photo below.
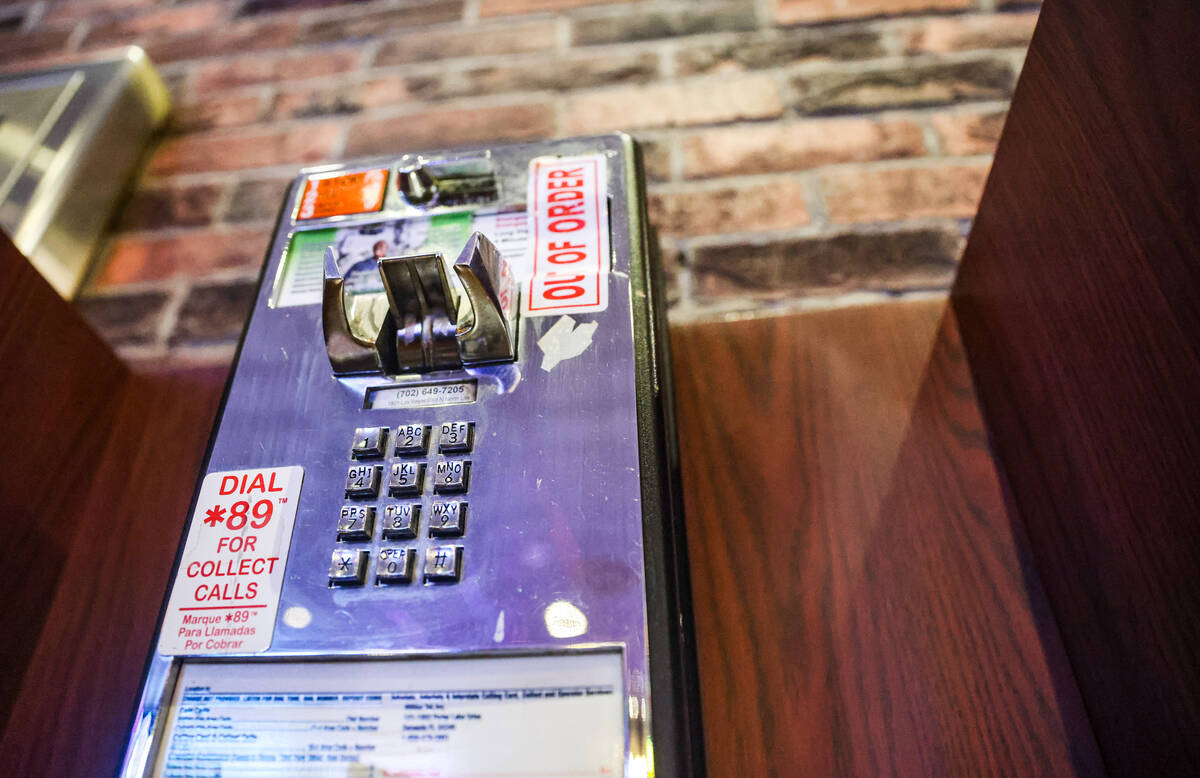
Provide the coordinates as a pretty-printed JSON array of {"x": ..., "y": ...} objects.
[{"x": 800, "y": 151}]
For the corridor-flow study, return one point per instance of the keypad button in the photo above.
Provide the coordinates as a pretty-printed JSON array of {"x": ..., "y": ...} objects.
[
  {"x": 363, "y": 481},
  {"x": 412, "y": 439},
  {"x": 456, "y": 437},
  {"x": 451, "y": 475},
  {"x": 369, "y": 443},
  {"x": 447, "y": 519},
  {"x": 395, "y": 565},
  {"x": 400, "y": 521},
  {"x": 406, "y": 478},
  {"x": 443, "y": 564},
  {"x": 348, "y": 567},
  {"x": 357, "y": 522}
]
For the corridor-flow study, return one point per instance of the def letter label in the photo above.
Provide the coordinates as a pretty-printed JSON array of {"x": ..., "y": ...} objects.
[
  {"x": 226, "y": 591},
  {"x": 568, "y": 227}
]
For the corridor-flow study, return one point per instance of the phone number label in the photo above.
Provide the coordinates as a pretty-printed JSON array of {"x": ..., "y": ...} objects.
[{"x": 422, "y": 395}]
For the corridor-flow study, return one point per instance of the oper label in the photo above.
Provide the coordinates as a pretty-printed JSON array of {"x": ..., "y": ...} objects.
[{"x": 226, "y": 591}]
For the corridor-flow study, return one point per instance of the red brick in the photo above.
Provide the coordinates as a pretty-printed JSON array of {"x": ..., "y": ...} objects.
[
  {"x": 347, "y": 23},
  {"x": 125, "y": 319},
  {"x": 808, "y": 11},
  {"x": 773, "y": 205},
  {"x": 386, "y": 90},
  {"x": 450, "y": 42},
  {"x": 510, "y": 7},
  {"x": 797, "y": 267},
  {"x": 214, "y": 312},
  {"x": 16, "y": 49},
  {"x": 132, "y": 258},
  {"x": 160, "y": 22},
  {"x": 871, "y": 195},
  {"x": 233, "y": 38},
  {"x": 663, "y": 23},
  {"x": 73, "y": 10},
  {"x": 323, "y": 100},
  {"x": 564, "y": 72},
  {"x": 171, "y": 206},
  {"x": 990, "y": 31},
  {"x": 213, "y": 111},
  {"x": 261, "y": 68},
  {"x": 763, "y": 148},
  {"x": 257, "y": 200},
  {"x": 880, "y": 87},
  {"x": 239, "y": 150},
  {"x": 705, "y": 101},
  {"x": 442, "y": 127},
  {"x": 778, "y": 48},
  {"x": 969, "y": 133}
]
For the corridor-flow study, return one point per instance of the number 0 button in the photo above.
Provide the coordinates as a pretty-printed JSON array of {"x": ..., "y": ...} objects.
[
  {"x": 455, "y": 437},
  {"x": 395, "y": 565}
]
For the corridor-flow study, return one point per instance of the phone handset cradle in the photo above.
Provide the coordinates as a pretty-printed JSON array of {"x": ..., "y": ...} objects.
[{"x": 429, "y": 325}]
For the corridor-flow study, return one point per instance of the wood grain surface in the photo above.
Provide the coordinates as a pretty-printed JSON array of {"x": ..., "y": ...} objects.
[
  {"x": 862, "y": 601},
  {"x": 59, "y": 385},
  {"x": 1079, "y": 299},
  {"x": 75, "y": 705}
]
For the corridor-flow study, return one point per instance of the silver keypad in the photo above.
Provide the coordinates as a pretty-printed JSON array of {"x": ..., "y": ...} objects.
[
  {"x": 456, "y": 437},
  {"x": 400, "y": 521},
  {"x": 357, "y": 522},
  {"x": 369, "y": 443},
  {"x": 406, "y": 478},
  {"x": 395, "y": 565},
  {"x": 443, "y": 564},
  {"x": 412, "y": 439},
  {"x": 348, "y": 567},
  {"x": 451, "y": 475},
  {"x": 363, "y": 481},
  {"x": 447, "y": 519}
]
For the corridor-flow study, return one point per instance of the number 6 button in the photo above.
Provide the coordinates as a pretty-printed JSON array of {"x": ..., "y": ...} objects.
[{"x": 451, "y": 475}]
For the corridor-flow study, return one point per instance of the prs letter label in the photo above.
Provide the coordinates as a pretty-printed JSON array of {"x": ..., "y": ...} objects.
[
  {"x": 568, "y": 218},
  {"x": 226, "y": 591}
]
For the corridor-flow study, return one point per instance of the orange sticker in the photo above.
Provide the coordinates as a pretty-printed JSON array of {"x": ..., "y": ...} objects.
[{"x": 342, "y": 194}]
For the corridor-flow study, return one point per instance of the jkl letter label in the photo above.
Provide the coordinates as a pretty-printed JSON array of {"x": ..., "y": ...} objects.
[
  {"x": 226, "y": 590},
  {"x": 568, "y": 214}
]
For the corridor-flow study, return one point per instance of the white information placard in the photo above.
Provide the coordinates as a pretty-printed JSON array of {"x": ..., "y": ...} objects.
[
  {"x": 530, "y": 716},
  {"x": 226, "y": 591}
]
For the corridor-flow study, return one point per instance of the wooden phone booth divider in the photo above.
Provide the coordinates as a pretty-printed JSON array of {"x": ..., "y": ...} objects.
[
  {"x": 882, "y": 583},
  {"x": 1079, "y": 304},
  {"x": 97, "y": 472}
]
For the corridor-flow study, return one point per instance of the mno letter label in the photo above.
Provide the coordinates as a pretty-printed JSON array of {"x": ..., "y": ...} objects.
[
  {"x": 226, "y": 591},
  {"x": 568, "y": 216}
]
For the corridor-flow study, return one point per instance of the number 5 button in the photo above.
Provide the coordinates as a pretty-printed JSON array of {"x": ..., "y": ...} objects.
[{"x": 451, "y": 475}]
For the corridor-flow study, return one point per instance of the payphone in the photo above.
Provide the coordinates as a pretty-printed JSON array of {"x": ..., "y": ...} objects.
[{"x": 437, "y": 531}]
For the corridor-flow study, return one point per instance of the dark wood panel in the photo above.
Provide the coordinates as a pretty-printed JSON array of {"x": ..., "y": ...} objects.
[
  {"x": 58, "y": 387},
  {"x": 74, "y": 708},
  {"x": 1079, "y": 299},
  {"x": 861, "y": 599}
]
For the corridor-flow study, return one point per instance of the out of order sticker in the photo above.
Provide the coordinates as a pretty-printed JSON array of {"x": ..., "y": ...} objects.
[{"x": 226, "y": 591}]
